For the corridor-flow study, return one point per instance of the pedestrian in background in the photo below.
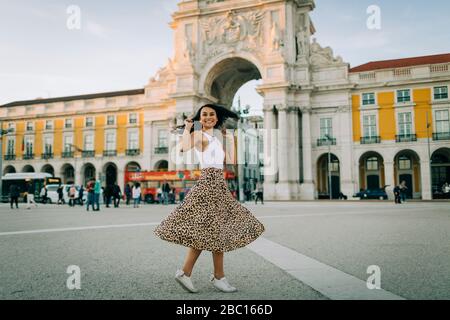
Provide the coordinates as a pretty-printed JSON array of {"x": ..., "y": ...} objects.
[
  {"x": 128, "y": 193},
  {"x": 259, "y": 192},
  {"x": 80, "y": 195},
  {"x": 43, "y": 194},
  {"x": 397, "y": 195},
  {"x": 97, "y": 191},
  {"x": 60, "y": 192},
  {"x": 403, "y": 190},
  {"x": 117, "y": 194},
  {"x": 90, "y": 188},
  {"x": 136, "y": 191},
  {"x": 30, "y": 194},
  {"x": 14, "y": 194},
  {"x": 165, "y": 192},
  {"x": 72, "y": 193}
]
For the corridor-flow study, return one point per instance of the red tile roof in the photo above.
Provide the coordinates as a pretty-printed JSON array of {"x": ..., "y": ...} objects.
[
  {"x": 79, "y": 97},
  {"x": 400, "y": 63}
]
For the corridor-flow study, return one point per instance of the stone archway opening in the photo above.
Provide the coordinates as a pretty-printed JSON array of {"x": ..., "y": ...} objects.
[
  {"x": 28, "y": 168},
  {"x": 48, "y": 169},
  {"x": 227, "y": 77},
  {"x": 88, "y": 171},
  {"x": 67, "y": 174},
  {"x": 110, "y": 173},
  {"x": 328, "y": 169},
  {"x": 162, "y": 165},
  {"x": 440, "y": 171},
  {"x": 371, "y": 171},
  {"x": 9, "y": 169},
  {"x": 132, "y": 167},
  {"x": 407, "y": 168}
]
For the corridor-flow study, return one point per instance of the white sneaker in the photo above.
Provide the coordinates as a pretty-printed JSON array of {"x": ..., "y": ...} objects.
[
  {"x": 185, "y": 281},
  {"x": 222, "y": 284}
]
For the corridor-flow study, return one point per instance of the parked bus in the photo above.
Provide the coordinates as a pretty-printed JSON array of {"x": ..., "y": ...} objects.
[
  {"x": 182, "y": 181},
  {"x": 21, "y": 180}
]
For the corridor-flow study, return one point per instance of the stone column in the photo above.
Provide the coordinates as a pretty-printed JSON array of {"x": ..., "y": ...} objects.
[
  {"x": 389, "y": 178},
  {"x": 425, "y": 179},
  {"x": 307, "y": 187},
  {"x": 147, "y": 145},
  {"x": 270, "y": 152},
  {"x": 121, "y": 179},
  {"x": 294, "y": 153},
  {"x": 283, "y": 145},
  {"x": 345, "y": 140}
]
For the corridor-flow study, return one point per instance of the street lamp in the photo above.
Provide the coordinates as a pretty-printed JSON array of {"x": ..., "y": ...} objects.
[
  {"x": 2, "y": 133},
  {"x": 429, "y": 156},
  {"x": 329, "y": 139}
]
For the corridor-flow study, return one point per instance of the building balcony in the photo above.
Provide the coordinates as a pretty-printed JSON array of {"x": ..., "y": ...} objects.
[
  {"x": 406, "y": 138},
  {"x": 133, "y": 152},
  {"x": 326, "y": 142},
  {"x": 88, "y": 154},
  {"x": 161, "y": 150},
  {"x": 441, "y": 136},
  {"x": 67, "y": 154},
  {"x": 370, "y": 140},
  {"x": 47, "y": 155},
  {"x": 28, "y": 156},
  {"x": 10, "y": 157},
  {"x": 110, "y": 153}
]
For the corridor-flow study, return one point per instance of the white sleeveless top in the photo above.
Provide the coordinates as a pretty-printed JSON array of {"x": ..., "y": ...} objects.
[{"x": 213, "y": 156}]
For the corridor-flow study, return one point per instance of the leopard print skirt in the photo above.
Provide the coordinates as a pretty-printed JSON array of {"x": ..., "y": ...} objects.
[{"x": 210, "y": 218}]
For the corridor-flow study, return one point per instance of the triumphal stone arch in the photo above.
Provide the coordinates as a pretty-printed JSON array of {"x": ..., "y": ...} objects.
[{"x": 221, "y": 45}]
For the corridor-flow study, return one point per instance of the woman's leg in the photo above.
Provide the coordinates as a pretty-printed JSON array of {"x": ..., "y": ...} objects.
[
  {"x": 218, "y": 265},
  {"x": 190, "y": 260}
]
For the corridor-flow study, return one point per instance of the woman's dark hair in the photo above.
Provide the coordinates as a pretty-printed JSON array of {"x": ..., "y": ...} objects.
[{"x": 221, "y": 112}]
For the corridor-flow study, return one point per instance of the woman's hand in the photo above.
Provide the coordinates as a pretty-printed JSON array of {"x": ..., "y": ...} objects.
[{"x": 188, "y": 124}]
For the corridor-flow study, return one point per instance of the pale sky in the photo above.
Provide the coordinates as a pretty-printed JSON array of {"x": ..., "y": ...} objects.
[{"x": 121, "y": 44}]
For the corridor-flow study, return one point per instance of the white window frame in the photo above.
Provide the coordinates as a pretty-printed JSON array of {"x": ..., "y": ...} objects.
[
  {"x": 32, "y": 126},
  {"x": 403, "y": 102},
  {"x": 330, "y": 128},
  {"x": 114, "y": 120},
  {"x": 398, "y": 122},
  {"x": 129, "y": 133},
  {"x": 70, "y": 137},
  {"x": 65, "y": 123},
  {"x": 376, "y": 123},
  {"x": 13, "y": 139},
  {"x": 369, "y": 105},
  {"x": 52, "y": 125},
  {"x": 158, "y": 136},
  {"x": 399, "y": 161},
  {"x": 107, "y": 134},
  {"x": 28, "y": 140},
  {"x": 93, "y": 141},
  {"x": 12, "y": 125},
  {"x": 45, "y": 137},
  {"x": 137, "y": 118},
  {"x": 93, "y": 122},
  {"x": 441, "y": 99},
  {"x": 436, "y": 120}
]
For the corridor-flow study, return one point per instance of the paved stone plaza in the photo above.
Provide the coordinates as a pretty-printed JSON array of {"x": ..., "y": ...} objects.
[{"x": 310, "y": 250}]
